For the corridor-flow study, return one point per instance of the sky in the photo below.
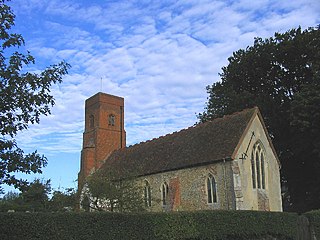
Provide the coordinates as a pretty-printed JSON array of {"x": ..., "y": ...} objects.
[{"x": 159, "y": 55}]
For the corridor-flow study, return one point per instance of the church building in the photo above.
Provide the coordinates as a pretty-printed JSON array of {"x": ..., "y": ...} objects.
[{"x": 228, "y": 163}]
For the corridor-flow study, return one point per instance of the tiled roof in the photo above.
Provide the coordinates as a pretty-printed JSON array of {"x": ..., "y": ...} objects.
[{"x": 198, "y": 145}]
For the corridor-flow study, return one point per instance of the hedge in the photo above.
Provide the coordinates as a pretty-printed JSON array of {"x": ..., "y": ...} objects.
[
  {"x": 163, "y": 226},
  {"x": 314, "y": 220},
  {"x": 224, "y": 225}
]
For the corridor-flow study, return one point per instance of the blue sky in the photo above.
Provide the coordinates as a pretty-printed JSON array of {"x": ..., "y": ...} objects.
[{"x": 158, "y": 55}]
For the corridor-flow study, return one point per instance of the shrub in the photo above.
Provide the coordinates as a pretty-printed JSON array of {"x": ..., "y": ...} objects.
[
  {"x": 223, "y": 225},
  {"x": 145, "y": 226},
  {"x": 314, "y": 220}
]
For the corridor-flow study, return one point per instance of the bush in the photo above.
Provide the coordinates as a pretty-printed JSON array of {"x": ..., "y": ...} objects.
[
  {"x": 223, "y": 225},
  {"x": 314, "y": 220},
  {"x": 145, "y": 226},
  {"x": 60, "y": 226}
]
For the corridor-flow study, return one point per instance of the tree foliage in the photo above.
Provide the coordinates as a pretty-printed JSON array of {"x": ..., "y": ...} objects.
[
  {"x": 280, "y": 75},
  {"x": 35, "y": 197},
  {"x": 11, "y": 201},
  {"x": 24, "y": 97},
  {"x": 106, "y": 192},
  {"x": 63, "y": 201}
]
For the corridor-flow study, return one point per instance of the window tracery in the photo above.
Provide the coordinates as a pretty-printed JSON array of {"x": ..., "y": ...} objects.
[
  {"x": 258, "y": 166},
  {"x": 211, "y": 189}
]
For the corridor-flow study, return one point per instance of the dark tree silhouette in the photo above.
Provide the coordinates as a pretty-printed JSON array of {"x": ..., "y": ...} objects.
[{"x": 280, "y": 75}]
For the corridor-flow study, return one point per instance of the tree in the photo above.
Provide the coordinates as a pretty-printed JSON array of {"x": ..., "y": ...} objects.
[
  {"x": 11, "y": 201},
  {"x": 277, "y": 74},
  {"x": 35, "y": 195},
  {"x": 24, "y": 97},
  {"x": 63, "y": 201},
  {"x": 305, "y": 129},
  {"x": 106, "y": 192}
]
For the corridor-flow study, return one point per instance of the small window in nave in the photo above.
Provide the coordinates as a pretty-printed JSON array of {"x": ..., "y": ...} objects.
[
  {"x": 147, "y": 194},
  {"x": 211, "y": 189},
  {"x": 164, "y": 193}
]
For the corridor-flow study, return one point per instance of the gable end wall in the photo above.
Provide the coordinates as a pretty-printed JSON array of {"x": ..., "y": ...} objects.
[{"x": 248, "y": 198}]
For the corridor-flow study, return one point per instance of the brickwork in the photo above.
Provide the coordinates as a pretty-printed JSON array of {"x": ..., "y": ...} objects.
[{"x": 104, "y": 132}]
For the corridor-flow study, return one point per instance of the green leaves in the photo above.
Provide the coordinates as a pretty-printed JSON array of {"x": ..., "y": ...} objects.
[
  {"x": 206, "y": 225},
  {"x": 34, "y": 197},
  {"x": 109, "y": 193},
  {"x": 63, "y": 201},
  {"x": 280, "y": 75},
  {"x": 24, "y": 97}
]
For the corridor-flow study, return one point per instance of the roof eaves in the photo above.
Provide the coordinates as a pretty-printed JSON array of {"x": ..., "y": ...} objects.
[{"x": 188, "y": 166}]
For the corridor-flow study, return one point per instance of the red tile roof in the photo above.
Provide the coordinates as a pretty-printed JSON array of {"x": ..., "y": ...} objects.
[{"x": 198, "y": 145}]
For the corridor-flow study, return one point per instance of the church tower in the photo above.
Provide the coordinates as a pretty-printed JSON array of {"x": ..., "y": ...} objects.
[{"x": 104, "y": 132}]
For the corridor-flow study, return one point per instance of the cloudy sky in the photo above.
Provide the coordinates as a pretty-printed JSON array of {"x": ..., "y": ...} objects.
[{"x": 158, "y": 55}]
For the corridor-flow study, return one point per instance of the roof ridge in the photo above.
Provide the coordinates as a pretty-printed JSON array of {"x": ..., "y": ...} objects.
[
  {"x": 190, "y": 127},
  {"x": 194, "y": 145},
  {"x": 226, "y": 116},
  {"x": 240, "y": 111},
  {"x": 153, "y": 139}
]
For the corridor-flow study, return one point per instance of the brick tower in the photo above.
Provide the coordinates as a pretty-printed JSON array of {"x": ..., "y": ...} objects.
[{"x": 104, "y": 132}]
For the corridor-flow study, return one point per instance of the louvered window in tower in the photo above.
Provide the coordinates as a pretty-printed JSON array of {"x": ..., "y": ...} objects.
[{"x": 112, "y": 119}]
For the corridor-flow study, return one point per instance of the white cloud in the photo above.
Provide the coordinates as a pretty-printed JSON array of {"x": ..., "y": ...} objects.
[{"x": 159, "y": 56}]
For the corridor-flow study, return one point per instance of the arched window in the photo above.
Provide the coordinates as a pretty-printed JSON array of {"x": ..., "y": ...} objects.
[
  {"x": 263, "y": 183},
  {"x": 112, "y": 119},
  {"x": 211, "y": 189},
  {"x": 258, "y": 166},
  {"x": 164, "y": 193},
  {"x": 91, "y": 121},
  {"x": 253, "y": 172},
  {"x": 147, "y": 194}
]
